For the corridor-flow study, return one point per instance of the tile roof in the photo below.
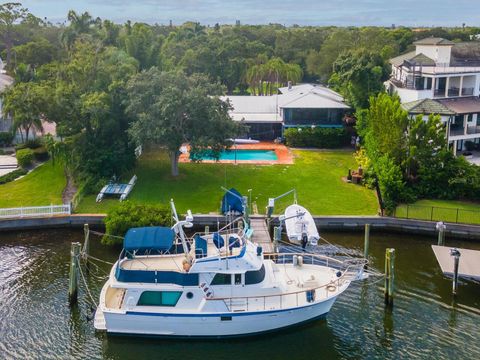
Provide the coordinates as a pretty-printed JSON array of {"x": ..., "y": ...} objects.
[
  {"x": 427, "y": 106},
  {"x": 465, "y": 105},
  {"x": 433, "y": 41}
]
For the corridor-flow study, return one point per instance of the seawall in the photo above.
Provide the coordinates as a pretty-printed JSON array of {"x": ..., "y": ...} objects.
[{"x": 325, "y": 223}]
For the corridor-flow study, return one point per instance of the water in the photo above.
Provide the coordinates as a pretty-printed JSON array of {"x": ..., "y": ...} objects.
[
  {"x": 36, "y": 322},
  {"x": 244, "y": 155}
]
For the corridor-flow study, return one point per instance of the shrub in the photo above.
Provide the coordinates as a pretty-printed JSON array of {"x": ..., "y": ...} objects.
[
  {"x": 40, "y": 154},
  {"x": 12, "y": 175},
  {"x": 34, "y": 143},
  {"x": 6, "y": 138},
  {"x": 316, "y": 137},
  {"x": 24, "y": 157},
  {"x": 128, "y": 215}
]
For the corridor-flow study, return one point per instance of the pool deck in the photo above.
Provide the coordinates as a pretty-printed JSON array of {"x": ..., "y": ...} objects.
[{"x": 284, "y": 155}]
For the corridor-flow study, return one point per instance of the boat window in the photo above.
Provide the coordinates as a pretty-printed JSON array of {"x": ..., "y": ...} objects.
[
  {"x": 159, "y": 298},
  {"x": 222, "y": 279},
  {"x": 255, "y": 277},
  {"x": 238, "y": 279}
]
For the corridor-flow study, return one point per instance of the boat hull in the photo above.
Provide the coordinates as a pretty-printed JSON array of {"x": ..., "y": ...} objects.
[
  {"x": 213, "y": 325},
  {"x": 297, "y": 225}
]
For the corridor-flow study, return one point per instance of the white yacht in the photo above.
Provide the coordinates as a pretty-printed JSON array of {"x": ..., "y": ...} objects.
[{"x": 218, "y": 284}]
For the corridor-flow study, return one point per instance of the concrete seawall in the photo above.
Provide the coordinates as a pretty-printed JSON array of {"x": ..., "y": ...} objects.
[{"x": 328, "y": 223}]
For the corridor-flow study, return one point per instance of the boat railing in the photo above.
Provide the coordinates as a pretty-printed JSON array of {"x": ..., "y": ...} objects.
[{"x": 351, "y": 268}]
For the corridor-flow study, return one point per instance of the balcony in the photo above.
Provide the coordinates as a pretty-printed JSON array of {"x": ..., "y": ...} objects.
[
  {"x": 459, "y": 131},
  {"x": 454, "y": 91},
  {"x": 439, "y": 93},
  {"x": 467, "y": 91}
]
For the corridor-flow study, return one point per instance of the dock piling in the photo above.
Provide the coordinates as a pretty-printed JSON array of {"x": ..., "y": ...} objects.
[
  {"x": 73, "y": 277},
  {"x": 367, "y": 241},
  {"x": 441, "y": 233},
  {"x": 456, "y": 260},
  {"x": 389, "y": 276},
  {"x": 207, "y": 230},
  {"x": 86, "y": 246}
]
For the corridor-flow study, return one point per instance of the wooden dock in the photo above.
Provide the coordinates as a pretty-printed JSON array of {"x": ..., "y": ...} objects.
[
  {"x": 469, "y": 262},
  {"x": 260, "y": 234}
]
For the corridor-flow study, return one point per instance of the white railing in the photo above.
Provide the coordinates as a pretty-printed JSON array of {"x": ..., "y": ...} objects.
[{"x": 35, "y": 211}]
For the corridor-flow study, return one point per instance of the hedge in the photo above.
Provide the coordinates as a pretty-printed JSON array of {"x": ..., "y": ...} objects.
[
  {"x": 6, "y": 138},
  {"x": 128, "y": 215},
  {"x": 24, "y": 157},
  {"x": 316, "y": 137},
  {"x": 12, "y": 175},
  {"x": 40, "y": 154}
]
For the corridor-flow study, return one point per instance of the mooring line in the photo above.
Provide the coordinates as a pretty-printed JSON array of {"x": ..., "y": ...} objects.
[{"x": 85, "y": 282}]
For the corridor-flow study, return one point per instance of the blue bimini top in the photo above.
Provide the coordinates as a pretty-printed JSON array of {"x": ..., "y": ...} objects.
[{"x": 149, "y": 238}]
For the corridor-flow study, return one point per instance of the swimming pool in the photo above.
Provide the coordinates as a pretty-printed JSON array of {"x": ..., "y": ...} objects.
[{"x": 243, "y": 155}]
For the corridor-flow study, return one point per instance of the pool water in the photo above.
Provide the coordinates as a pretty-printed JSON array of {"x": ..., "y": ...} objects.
[{"x": 243, "y": 155}]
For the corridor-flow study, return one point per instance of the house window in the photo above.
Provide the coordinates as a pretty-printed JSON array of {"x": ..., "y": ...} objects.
[
  {"x": 429, "y": 83},
  {"x": 159, "y": 298},
  {"x": 222, "y": 279}
]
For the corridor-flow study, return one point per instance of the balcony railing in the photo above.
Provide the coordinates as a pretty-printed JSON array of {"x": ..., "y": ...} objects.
[
  {"x": 467, "y": 91},
  {"x": 473, "y": 129},
  {"x": 439, "y": 93},
  {"x": 454, "y": 92}
]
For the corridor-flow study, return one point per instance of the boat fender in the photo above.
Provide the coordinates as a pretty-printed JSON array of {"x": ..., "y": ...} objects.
[
  {"x": 331, "y": 288},
  {"x": 300, "y": 260},
  {"x": 295, "y": 260}
]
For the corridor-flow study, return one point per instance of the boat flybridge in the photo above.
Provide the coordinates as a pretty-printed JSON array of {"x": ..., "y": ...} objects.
[{"x": 215, "y": 284}]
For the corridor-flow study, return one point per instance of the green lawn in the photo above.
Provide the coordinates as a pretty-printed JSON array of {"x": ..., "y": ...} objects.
[
  {"x": 316, "y": 175},
  {"x": 441, "y": 210},
  {"x": 43, "y": 186}
]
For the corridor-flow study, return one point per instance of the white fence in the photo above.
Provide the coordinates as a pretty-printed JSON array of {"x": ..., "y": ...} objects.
[{"x": 35, "y": 211}]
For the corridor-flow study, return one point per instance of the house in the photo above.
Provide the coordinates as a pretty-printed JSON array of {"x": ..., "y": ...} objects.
[
  {"x": 304, "y": 105},
  {"x": 441, "y": 77}
]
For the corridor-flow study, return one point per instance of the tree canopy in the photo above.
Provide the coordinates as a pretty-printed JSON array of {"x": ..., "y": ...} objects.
[{"x": 172, "y": 109}]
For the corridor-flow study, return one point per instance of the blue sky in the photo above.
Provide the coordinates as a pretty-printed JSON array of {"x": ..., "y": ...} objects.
[{"x": 288, "y": 12}]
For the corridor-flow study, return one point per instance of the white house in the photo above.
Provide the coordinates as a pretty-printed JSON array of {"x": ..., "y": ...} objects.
[
  {"x": 441, "y": 77},
  {"x": 303, "y": 105}
]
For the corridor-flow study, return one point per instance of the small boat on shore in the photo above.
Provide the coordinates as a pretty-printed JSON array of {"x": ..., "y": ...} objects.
[
  {"x": 221, "y": 284},
  {"x": 300, "y": 226}
]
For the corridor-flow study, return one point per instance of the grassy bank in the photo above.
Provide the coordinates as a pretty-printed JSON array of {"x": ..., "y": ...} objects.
[
  {"x": 43, "y": 186},
  {"x": 316, "y": 175},
  {"x": 441, "y": 210}
]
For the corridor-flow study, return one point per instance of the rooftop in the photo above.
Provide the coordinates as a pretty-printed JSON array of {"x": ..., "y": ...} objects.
[
  {"x": 267, "y": 108},
  {"x": 427, "y": 106},
  {"x": 434, "y": 41},
  {"x": 465, "y": 105}
]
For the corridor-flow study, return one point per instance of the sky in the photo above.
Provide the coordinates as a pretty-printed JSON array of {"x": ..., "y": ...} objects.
[{"x": 287, "y": 12}]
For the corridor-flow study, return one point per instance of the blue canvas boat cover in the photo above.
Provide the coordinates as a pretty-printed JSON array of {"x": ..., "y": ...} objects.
[
  {"x": 149, "y": 238},
  {"x": 231, "y": 202}
]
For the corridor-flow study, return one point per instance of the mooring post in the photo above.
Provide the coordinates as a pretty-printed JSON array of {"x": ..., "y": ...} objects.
[
  {"x": 441, "y": 233},
  {"x": 207, "y": 229},
  {"x": 277, "y": 236},
  {"x": 456, "y": 260},
  {"x": 367, "y": 241},
  {"x": 73, "y": 278},
  {"x": 389, "y": 276},
  {"x": 86, "y": 245}
]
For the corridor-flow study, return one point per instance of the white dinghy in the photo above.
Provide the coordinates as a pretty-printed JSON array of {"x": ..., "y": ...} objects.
[{"x": 300, "y": 226}]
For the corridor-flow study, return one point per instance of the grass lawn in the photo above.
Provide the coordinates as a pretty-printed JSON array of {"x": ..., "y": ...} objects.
[
  {"x": 43, "y": 186},
  {"x": 316, "y": 175},
  {"x": 442, "y": 210}
]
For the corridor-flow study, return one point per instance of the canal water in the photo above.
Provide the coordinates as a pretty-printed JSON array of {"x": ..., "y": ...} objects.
[{"x": 36, "y": 322}]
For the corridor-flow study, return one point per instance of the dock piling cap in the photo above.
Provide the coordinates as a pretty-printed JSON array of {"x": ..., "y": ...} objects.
[{"x": 455, "y": 252}]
